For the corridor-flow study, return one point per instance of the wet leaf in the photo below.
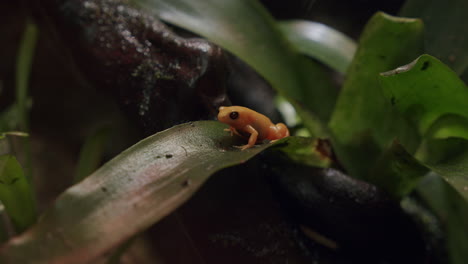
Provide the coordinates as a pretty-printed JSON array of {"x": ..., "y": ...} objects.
[
  {"x": 362, "y": 114},
  {"x": 131, "y": 192}
]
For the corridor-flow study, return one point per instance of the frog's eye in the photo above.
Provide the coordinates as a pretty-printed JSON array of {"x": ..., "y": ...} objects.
[{"x": 234, "y": 115}]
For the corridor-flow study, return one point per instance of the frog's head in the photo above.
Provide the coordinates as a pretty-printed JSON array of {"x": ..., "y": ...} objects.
[{"x": 232, "y": 115}]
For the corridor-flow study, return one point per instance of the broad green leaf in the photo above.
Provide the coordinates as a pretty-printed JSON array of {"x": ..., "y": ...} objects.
[
  {"x": 436, "y": 151},
  {"x": 446, "y": 35},
  {"x": 449, "y": 126},
  {"x": 245, "y": 28},
  {"x": 452, "y": 210},
  {"x": 16, "y": 193},
  {"x": 132, "y": 191},
  {"x": 321, "y": 42},
  {"x": 426, "y": 90},
  {"x": 455, "y": 172},
  {"x": 91, "y": 153},
  {"x": 397, "y": 171},
  {"x": 362, "y": 114}
]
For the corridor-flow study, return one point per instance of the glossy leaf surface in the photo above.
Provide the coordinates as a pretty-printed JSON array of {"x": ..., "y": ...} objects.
[
  {"x": 426, "y": 90},
  {"x": 134, "y": 190},
  {"x": 321, "y": 42}
]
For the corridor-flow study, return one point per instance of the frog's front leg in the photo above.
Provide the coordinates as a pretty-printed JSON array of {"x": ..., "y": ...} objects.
[
  {"x": 252, "y": 139},
  {"x": 233, "y": 131}
]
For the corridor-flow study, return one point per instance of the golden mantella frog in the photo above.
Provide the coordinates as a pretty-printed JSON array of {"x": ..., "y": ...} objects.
[{"x": 243, "y": 120}]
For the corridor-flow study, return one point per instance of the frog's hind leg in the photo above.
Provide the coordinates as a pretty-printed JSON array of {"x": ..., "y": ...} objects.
[{"x": 283, "y": 129}]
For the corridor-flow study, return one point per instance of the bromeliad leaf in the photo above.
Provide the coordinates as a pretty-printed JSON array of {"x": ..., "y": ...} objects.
[
  {"x": 362, "y": 115},
  {"x": 397, "y": 171},
  {"x": 134, "y": 190},
  {"x": 452, "y": 210},
  {"x": 430, "y": 94},
  {"x": 321, "y": 42},
  {"x": 426, "y": 90},
  {"x": 455, "y": 172}
]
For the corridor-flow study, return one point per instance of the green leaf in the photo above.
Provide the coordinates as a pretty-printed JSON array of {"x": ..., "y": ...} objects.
[
  {"x": 362, "y": 114},
  {"x": 321, "y": 42},
  {"x": 435, "y": 151},
  {"x": 20, "y": 109},
  {"x": 397, "y": 171},
  {"x": 455, "y": 172},
  {"x": 91, "y": 153},
  {"x": 16, "y": 193},
  {"x": 452, "y": 210},
  {"x": 446, "y": 35},
  {"x": 23, "y": 69},
  {"x": 306, "y": 151},
  {"x": 131, "y": 192},
  {"x": 246, "y": 29},
  {"x": 426, "y": 90},
  {"x": 449, "y": 126}
]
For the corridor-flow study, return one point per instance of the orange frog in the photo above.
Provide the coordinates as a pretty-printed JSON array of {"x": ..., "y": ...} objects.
[{"x": 244, "y": 120}]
